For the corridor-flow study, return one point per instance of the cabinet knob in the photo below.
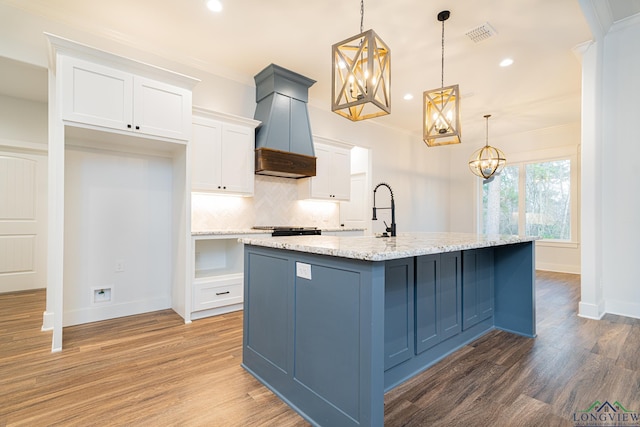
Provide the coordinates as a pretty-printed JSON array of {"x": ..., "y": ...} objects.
[
  {"x": 129, "y": 126},
  {"x": 137, "y": 127},
  {"x": 224, "y": 188},
  {"x": 219, "y": 187}
]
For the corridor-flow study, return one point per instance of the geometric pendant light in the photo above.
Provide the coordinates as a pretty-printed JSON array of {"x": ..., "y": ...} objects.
[
  {"x": 441, "y": 108},
  {"x": 488, "y": 160},
  {"x": 361, "y": 75}
]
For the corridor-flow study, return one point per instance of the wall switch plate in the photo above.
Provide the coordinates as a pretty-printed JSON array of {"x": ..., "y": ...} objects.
[
  {"x": 119, "y": 266},
  {"x": 303, "y": 270}
]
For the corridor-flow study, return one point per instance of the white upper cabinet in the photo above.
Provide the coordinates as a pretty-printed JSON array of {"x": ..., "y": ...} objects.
[
  {"x": 98, "y": 95},
  {"x": 333, "y": 173},
  {"x": 222, "y": 155}
]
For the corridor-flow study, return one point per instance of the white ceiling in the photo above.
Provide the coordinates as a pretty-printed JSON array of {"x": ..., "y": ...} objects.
[{"x": 541, "y": 89}]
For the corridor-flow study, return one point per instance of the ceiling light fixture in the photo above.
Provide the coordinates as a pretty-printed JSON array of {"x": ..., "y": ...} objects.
[
  {"x": 488, "y": 160},
  {"x": 506, "y": 62},
  {"x": 361, "y": 75},
  {"x": 441, "y": 112},
  {"x": 408, "y": 97},
  {"x": 214, "y": 5}
]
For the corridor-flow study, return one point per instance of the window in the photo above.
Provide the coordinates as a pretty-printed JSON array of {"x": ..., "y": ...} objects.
[{"x": 536, "y": 198}]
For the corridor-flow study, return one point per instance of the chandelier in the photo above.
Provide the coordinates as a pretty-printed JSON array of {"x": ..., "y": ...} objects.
[
  {"x": 361, "y": 75},
  {"x": 488, "y": 160},
  {"x": 441, "y": 112}
]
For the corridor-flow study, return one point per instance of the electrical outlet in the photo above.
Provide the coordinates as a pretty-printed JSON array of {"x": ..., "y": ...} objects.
[
  {"x": 119, "y": 266},
  {"x": 101, "y": 295},
  {"x": 303, "y": 270}
]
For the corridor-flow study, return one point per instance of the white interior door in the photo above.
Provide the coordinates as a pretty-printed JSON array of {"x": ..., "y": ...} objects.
[{"x": 23, "y": 196}]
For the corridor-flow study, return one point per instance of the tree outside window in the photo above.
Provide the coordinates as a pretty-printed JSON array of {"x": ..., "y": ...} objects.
[{"x": 532, "y": 199}]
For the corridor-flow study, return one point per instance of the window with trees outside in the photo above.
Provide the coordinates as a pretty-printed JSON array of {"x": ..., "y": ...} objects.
[{"x": 535, "y": 198}]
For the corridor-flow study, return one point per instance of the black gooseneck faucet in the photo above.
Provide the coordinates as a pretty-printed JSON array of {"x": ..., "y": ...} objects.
[{"x": 391, "y": 229}]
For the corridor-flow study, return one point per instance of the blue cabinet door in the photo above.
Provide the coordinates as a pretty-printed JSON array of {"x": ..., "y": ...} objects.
[
  {"x": 438, "y": 294},
  {"x": 450, "y": 294},
  {"x": 427, "y": 307},
  {"x": 477, "y": 286},
  {"x": 398, "y": 312}
]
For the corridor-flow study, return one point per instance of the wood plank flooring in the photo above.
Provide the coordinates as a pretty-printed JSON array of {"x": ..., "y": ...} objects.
[{"x": 153, "y": 370}]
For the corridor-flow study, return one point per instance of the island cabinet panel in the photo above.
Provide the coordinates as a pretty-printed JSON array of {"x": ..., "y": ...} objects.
[
  {"x": 450, "y": 294},
  {"x": 398, "y": 312},
  {"x": 314, "y": 333},
  {"x": 327, "y": 334},
  {"x": 266, "y": 314},
  {"x": 438, "y": 294},
  {"x": 477, "y": 286}
]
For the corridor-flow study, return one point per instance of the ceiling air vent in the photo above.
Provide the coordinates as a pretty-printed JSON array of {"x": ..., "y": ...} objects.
[{"x": 481, "y": 33}]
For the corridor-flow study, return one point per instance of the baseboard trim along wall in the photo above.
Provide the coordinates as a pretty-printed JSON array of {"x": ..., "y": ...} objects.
[{"x": 113, "y": 310}]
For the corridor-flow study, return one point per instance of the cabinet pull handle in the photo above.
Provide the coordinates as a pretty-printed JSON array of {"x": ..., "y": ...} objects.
[{"x": 222, "y": 293}]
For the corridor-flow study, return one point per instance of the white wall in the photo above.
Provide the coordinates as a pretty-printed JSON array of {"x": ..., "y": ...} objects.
[
  {"x": 619, "y": 174},
  {"x": 23, "y": 123},
  {"x": 117, "y": 208}
]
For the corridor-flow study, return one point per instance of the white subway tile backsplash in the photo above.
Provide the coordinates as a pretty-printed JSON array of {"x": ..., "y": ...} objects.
[{"x": 275, "y": 202}]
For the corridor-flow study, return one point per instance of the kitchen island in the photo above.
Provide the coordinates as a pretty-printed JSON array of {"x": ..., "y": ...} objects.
[{"x": 331, "y": 323}]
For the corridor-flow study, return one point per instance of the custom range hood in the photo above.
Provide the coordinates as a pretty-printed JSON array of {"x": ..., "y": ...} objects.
[{"x": 284, "y": 146}]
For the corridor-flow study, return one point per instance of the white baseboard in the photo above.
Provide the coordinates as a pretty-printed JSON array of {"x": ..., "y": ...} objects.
[
  {"x": 47, "y": 321},
  {"x": 623, "y": 308},
  {"x": 558, "y": 268},
  {"x": 591, "y": 311},
  {"x": 216, "y": 311},
  {"x": 96, "y": 312}
]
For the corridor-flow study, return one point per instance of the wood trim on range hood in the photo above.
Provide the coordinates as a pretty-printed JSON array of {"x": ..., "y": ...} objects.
[{"x": 284, "y": 164}]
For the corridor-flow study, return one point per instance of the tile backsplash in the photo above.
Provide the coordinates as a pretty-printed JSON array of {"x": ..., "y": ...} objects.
[{"x": 275, "y": 202}]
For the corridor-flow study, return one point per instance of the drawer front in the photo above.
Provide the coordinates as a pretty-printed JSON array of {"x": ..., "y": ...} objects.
[{"x": 217, "y": 293}]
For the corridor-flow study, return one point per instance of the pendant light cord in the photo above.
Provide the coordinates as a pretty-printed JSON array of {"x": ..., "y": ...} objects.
[
  {"x": 442, "y": 75},
  {"x": 361, "y": 16},
  {"x": 486, "y": 144}
]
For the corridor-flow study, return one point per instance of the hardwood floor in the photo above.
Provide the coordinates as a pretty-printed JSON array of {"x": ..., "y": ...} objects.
[{"x": 153, "y": 370}]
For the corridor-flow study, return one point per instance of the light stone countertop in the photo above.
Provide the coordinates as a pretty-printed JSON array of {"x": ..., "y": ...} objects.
[{"x": 370, "y": 248}]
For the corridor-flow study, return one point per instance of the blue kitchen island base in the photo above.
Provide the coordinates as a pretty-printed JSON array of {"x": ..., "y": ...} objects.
[{"x": 329, "y": 335}]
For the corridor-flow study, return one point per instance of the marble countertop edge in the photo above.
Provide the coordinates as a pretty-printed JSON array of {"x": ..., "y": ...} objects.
[{"x": 370, "y": 248}]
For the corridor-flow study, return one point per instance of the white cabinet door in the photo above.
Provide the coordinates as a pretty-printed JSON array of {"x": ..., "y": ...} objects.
[
  {"x": 237, "y": 159},
  {"x": 102, "y": 96},
  {"x": 222, "y": 157},
  {"x": 95, "y": 94},
  {"x": 161, "y": 109},
  {"x": 341, "y": 174},
  {"x": 205, "y": 157},
  {"x": 333, "y": 175},
  {"x": 321, "y": 183}
]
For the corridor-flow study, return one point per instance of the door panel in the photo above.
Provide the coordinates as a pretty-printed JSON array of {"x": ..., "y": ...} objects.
[{"x": 22, "y": 221}]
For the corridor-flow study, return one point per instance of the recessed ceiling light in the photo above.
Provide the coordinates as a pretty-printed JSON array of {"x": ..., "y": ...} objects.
[
  {"x": 506, "y": 62},
  {"x": 214, "y": 5},
  {"x": 408, "y": 97}
]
